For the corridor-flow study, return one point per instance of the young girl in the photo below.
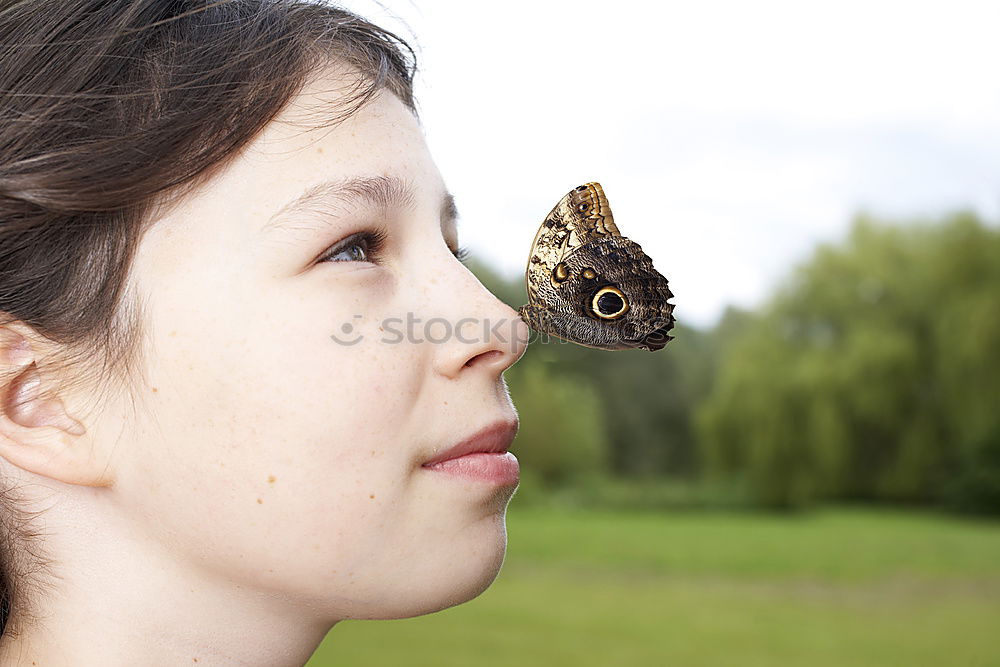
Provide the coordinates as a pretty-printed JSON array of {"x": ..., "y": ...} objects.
[{"x": 211, "y": 452}]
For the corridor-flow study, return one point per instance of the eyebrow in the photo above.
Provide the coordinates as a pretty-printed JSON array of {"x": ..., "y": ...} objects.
[{"x": 380, "y": 192}]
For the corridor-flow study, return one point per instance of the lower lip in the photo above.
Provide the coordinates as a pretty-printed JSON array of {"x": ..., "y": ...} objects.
[{"x": 501, "y": 468}]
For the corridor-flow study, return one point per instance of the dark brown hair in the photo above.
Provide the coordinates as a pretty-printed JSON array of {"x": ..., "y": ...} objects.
[{"x": 109, "y": 110}]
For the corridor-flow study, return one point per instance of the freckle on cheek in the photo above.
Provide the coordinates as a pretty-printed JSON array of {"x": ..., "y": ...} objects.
[
  {"x": 372, "y": 496},
  {"x": 260, "y": 501},
  {"x": 271, "y": 479}
]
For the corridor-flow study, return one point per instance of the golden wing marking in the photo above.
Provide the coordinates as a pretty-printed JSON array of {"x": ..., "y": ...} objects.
[
  {"x": 566, "y": 228},
  {"x": 601, "y": 221}
]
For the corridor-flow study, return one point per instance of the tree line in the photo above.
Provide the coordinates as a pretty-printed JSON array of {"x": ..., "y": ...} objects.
[{"x": 871, "y": 375}]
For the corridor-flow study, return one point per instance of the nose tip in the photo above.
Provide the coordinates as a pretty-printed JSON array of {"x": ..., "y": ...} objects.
[
  {"x": 520, "y": 333},
  {"x": 504, "y": 342},
  {"x": 491, "y": 338},
  {"x": 515, "y": 330}
]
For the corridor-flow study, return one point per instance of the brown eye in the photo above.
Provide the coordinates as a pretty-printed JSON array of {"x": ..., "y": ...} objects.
[{"x": 609, "y": 303}]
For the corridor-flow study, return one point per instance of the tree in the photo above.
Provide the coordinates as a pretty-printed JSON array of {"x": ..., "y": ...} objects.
[{"x": 872, "y": 375}]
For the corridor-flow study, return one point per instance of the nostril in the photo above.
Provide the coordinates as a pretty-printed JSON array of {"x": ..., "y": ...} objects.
[{"x": 487, "y": 356}]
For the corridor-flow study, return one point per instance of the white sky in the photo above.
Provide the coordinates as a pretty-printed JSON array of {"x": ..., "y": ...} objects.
[{"x": 730, "y": 137}]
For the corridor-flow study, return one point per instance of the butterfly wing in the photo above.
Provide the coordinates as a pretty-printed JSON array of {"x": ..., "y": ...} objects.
[
  {"x": 583, "y": 215},
  {"x": 589, "y": 284},
  {"x": 611, "y": 298}
]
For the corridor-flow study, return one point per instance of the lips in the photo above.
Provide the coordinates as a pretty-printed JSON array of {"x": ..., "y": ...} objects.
[{"x": 493, "y": 439}]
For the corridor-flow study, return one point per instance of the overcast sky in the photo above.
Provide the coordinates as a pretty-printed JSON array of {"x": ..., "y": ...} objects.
[{"x": 730, "y": 137}]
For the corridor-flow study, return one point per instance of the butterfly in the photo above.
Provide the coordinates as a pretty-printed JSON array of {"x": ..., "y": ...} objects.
[{"x": 590, "y": 285}]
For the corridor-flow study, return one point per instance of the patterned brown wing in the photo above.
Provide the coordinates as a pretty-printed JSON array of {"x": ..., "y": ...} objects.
[
  {"x": 590, "y": 285},
  {"x": 583, "y": 215}
]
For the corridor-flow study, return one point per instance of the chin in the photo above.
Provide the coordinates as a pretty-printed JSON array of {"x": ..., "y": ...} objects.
[{"x": 448, "y": 587}]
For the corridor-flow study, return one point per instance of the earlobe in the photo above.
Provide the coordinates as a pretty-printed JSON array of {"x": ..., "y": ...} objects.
[{"x": 36, "y": 432}]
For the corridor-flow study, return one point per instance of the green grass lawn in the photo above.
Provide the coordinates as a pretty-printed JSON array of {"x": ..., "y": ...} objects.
[{"x": 844, "y": 588}]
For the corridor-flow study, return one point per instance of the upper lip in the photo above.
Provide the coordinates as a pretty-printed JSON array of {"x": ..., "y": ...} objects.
[{"x": 493, "y": 438}]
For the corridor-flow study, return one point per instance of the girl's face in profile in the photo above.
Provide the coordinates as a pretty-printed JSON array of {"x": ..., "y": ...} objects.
[{"x": 280, "y": 442}]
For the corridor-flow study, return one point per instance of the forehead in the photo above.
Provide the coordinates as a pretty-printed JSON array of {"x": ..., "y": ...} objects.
[
  {"x": 316, "y": 123},
  {"x": 299, "y": 150}
]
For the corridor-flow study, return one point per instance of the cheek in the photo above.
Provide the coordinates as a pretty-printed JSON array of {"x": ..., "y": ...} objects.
[{"x": 271, "y": 437}]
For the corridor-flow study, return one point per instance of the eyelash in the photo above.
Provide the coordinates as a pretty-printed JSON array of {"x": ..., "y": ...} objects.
[{"x": 374, "y": 243}]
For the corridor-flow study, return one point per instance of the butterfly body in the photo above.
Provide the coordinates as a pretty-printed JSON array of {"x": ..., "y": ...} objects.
[{"x": 590, "y": 285}]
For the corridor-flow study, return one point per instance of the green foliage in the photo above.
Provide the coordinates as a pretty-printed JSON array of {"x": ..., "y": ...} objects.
[
  {"x": 561, "y": 436},
  {"x": 873, "y": 375},
  {"x": 976, "y": 488},
  {"x": 606, "y": 492}
]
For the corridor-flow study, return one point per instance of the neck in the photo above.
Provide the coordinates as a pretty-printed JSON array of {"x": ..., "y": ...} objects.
[{"x": 114, "y": 597}]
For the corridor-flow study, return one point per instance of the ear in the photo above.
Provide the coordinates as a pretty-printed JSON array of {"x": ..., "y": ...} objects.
[{"x": 36, "y": 432}]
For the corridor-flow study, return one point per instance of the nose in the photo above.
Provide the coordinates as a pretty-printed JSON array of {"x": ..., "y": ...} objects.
[{"x": 488, "y": 336}]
